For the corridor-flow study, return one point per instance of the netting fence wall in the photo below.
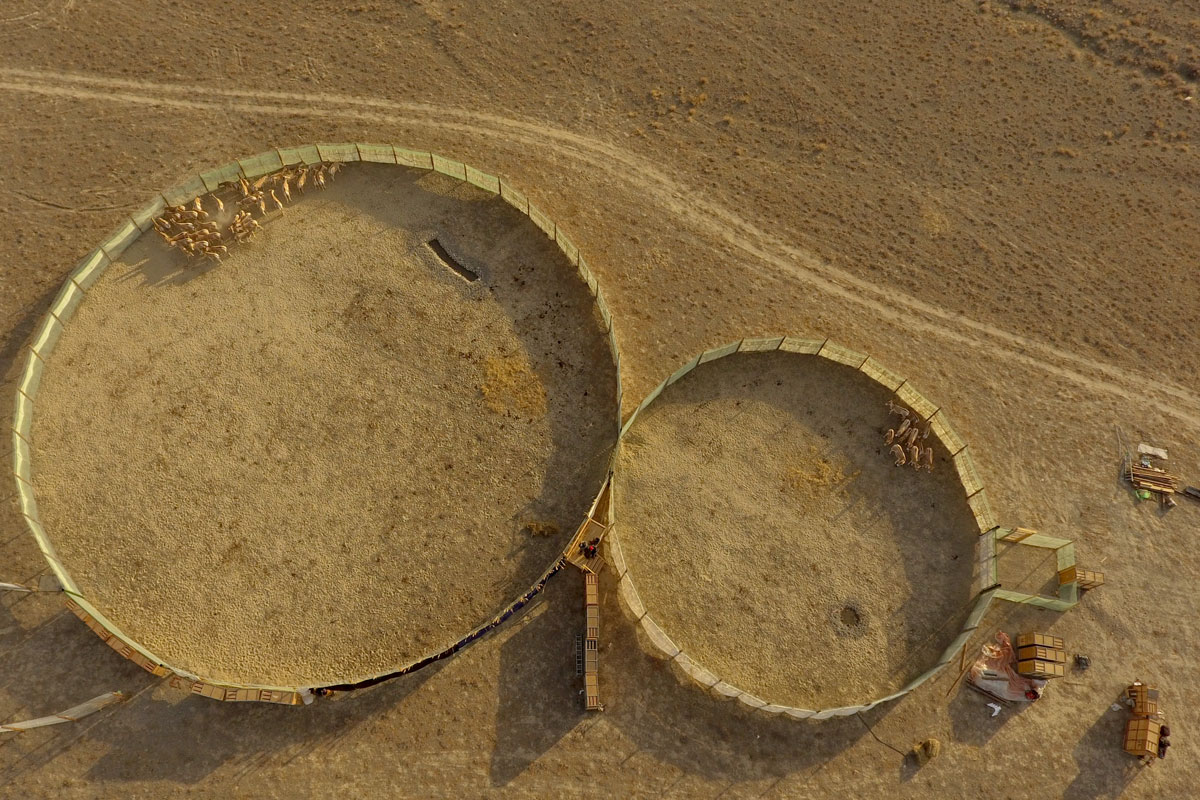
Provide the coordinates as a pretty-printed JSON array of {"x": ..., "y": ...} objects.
[
  {"x": 93, "y": 266},
  {"x": 1064, "y": 560},
  {"x": 658, "y": 643}
]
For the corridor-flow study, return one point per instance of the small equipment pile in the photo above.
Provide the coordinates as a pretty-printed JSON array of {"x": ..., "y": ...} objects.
[
  {"x": 1018, "y": 676},
  {"x": 1148, "y": 479}
]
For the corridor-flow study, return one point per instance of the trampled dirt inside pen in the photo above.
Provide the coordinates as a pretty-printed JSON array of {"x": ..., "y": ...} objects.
[
  {"x": 770, "y": 535},
  {"x": 319, "y": 459}
]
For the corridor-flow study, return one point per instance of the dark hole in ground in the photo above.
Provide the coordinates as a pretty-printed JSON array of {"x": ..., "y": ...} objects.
[
  {"x": 850, "y": 617},
  {"x": 440, "y": 252}
]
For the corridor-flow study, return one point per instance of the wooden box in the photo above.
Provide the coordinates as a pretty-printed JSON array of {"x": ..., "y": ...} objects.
[
  {"x": 591, "y": 691},
  {"x": 1087, "y": 578},
  {"x": 1036, "y": 668},
  {"x": 593, "y": 622},
  {"x": 1042, "y": 653},
  {"x": 1141, "y": 737},
  {"x": 1145, "y": 699},
  {"x": 1039, "y": 639}
]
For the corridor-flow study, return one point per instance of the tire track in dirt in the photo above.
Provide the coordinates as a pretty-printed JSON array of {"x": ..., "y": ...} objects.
[{"x": 739, "y": 233}]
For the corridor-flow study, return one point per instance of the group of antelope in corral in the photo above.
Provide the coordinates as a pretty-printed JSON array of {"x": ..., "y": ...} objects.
[
  {"x": 196, "y": 233},
  {"x": 907, "y": 439}
]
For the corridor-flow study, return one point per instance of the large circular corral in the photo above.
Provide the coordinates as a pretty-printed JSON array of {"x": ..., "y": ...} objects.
[
  {"x": 767, "y": 543},
  {"x": 359, "y": 437}
]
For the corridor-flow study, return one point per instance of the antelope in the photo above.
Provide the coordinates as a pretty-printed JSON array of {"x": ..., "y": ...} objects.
[
  {"x": 333, "y": 169},
  {"x": 889, "y": 437},
  {"x": 914, "y": 457},
  {"x": 220, "y": 205},
  {"x": 287, "y": 192},
  {"x": 904, "y": 426},
  {"x": 929, "y": 458},
  {"x": 258, "y": 184},
  {"x": 911, "y": 438},
  {"x": 277, "y": 201},
  {"x": 300, "y": 178},
  {"x": 895, "y": 409},
  {"x": 898, "y": 453},
  {"x": 245, "y": 187}
]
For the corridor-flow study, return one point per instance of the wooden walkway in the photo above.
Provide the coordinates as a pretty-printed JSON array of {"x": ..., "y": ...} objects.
[{"x": 593, "y": 528}]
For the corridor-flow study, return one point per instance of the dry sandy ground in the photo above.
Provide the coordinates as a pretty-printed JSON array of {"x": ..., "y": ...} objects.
[
  {"x": 318, "y": 461},
  {"x": 770, "y": 534},
  {"x": 888, "y": 175}
]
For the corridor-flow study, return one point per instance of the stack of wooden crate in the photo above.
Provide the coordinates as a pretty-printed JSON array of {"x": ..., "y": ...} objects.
[
  {"x": 1040, "y": 655},
  {"x": 591, "y": 642},
  {"x": 1145, "y": 726}
]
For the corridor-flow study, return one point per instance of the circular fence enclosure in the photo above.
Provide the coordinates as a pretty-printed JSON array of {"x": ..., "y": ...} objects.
[
  {"x": 347, "y": 448},
  {"x": 769, "y": 548}
]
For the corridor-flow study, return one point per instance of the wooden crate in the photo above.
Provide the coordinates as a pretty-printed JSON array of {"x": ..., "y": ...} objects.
[
  {"x": 1141, "y": 737},
  {"x": 1085, "y": 577},
  {"x": 1145, "y": 699},
  {"x": 1036, "y": 668},
  {"x": 1019, "y": 534},
  {"x": 593, "y": 622},
  {"x": 1042, "y": 653},
  {"x": 1041, "y": 640},
  {"x": 591, "y": 594},
  {"x": 591, "y": 662},
  {"x": 591, "y": 691}
]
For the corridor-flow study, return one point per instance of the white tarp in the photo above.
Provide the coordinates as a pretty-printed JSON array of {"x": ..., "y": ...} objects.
[{"x": 70, "y": 715}]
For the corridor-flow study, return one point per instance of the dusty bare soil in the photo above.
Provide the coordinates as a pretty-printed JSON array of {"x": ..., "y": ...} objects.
[
  {"x": 318, "y": 460},
  {"x": 997, "y": 199},
  {"x": 772, "y": 537}
]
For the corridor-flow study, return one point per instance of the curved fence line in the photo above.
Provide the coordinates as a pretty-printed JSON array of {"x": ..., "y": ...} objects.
[
  {"x": 89, "y": 270},
  {"x": 656, "y": 641}
]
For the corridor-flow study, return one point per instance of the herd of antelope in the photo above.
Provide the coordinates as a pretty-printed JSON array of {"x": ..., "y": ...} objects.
[
  {"x": 907, "y": 439},
  {"x": 196, "y": 233}
]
